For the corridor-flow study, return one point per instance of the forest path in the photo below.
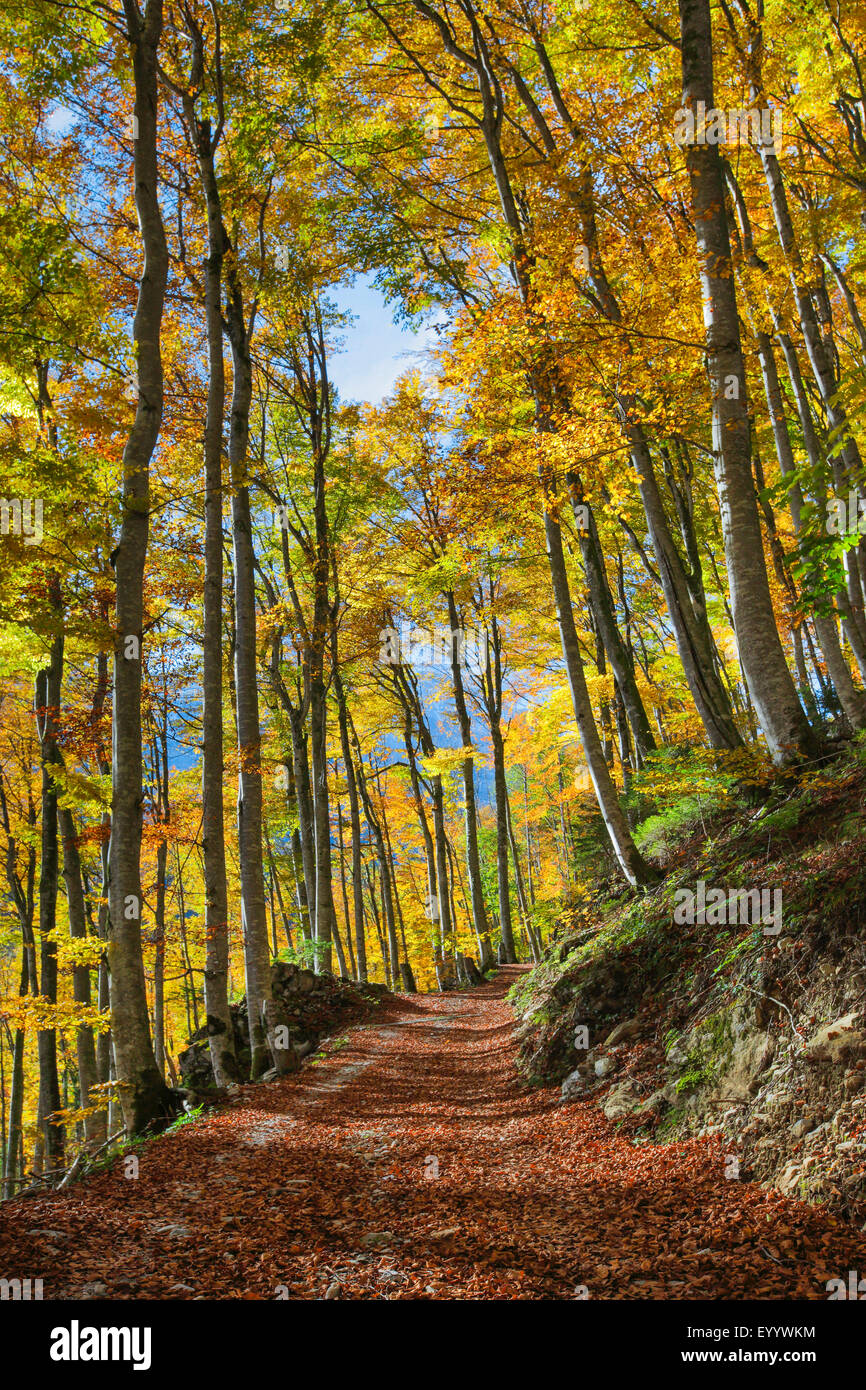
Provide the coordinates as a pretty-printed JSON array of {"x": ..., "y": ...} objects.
[{"x": 412, "y": 1162}]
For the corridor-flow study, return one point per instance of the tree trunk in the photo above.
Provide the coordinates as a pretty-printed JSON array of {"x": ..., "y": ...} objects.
[
  {"x": 47, "y": 703},
  {"x": 473, "y": 861},
  {"x": 636, "y": 870},
  {"x": 771, "y": 686},
  {"x": 354, "y": 812},
  {"x": 23, "y": 897},
  {"x": 853, "y": 701},
  {"x": 88, "y": 1076},
  {"x": 216, "y": 999},
  {"x": 260, "y": 1007},
  {"x": 144, "y": 1096},
  {"x": 601, "y": 603}
]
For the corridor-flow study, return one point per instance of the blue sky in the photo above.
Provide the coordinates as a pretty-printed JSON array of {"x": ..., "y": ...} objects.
[{"x": 376, "y": 350}]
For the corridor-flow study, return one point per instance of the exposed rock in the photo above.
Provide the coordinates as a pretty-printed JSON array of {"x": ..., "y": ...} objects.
[
  {"x": 623, "y": 1032},
  {"x": 789, "y": 1179},
  {"x": 575, "y": 1085},
  {"x": 622, "y": 1099},
  {"x": 838, "y": 1041},
  {"x": 373, "y": 1240},
  {"x": 750, "y": 1056},
  {"x": 605, "y": 1066},
  {"x": 661, "y": 1100},
  {"x": 309, "y": 1006},
  {"x": 799, "y": 1128}
]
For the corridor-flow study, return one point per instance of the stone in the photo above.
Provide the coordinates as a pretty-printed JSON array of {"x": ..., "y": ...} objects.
[
  {"x": 622, "y": 1099},
  {"x": 750, "y": 1056},
  {"x": 838, "y": 1041},
  {"x": 605, "y": 1066},
  {"x": 801, "y": 1127},
  {"x": 374, "y": 1239},
  {"x": 310, "y": 1006},
  {"x": 575, "y": 1084},
  {"x": 788, "y": 1180},
  {"x": 661, "y": 1099},
  {"x": 623, "y": 1032}
]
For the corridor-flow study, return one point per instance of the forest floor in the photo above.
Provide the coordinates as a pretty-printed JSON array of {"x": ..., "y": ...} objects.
[{"x": 412, "y": 1162}]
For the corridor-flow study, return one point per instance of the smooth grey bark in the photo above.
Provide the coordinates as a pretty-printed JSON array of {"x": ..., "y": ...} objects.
[
  {"x": 249, "y": 805},
  {"x": 300, "y": 792},
  {"x": 406, "y": 685},
  {"x": 347, "y": 916},
  {"x": 420, "y": 812},
  {"x": 304, "y": 801},
  {"x": 604, "y": 614},
  {"x": 354, "y": 808},
  {"x": 853, "y": 701},
  {"x": 257, "y": 973},
  {"x": 159, "y": 1050},
  {"x": 407, "y": 975},
  {"x": 844, "y": 456},
  {"x": 636, "y": 871},
  {"x": 277, "y": 888},
  {"x": 144, "y": 1096},
  {"x": 849, "y": 297},
  {"x": 816, "y": 348},
  {"x": 786, "y": 729},
  {"x": 851, "y": 627},
  {"x": 387, "y": 887},
  {"x": 691, "y": 628},
  {"x": 689, "y": 620},
  {"x": 309, "y": 361},
  {"x": 682, "y": 591},
  {"x": 546, "y": 393},
  {"x": 218, "y": 1016},
  {"x": 23, "y": 896},
  {"x": 470, "y": 819},
  {"x": 491, "y": 695},
  {"x": 47, "y": 709},
  {"x": 324, "y": 916},
  {"x": 522, "y": 900},
  {"x": 88, "y": 1074},
  {"x": 380, "y": 936}
]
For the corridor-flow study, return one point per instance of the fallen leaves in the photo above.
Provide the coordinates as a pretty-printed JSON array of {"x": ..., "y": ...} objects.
[{"x": 319, "y": 1184}]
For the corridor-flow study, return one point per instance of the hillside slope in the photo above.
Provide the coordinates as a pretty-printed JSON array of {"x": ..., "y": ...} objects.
[{"x": 752, "y": 1032}]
